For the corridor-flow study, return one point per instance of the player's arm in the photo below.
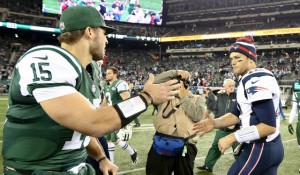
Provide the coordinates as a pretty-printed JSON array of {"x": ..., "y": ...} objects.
[
  {"x": 123, "y": 90},
  {"x": 104, "y": 102},
  {"x": 74, "y": 111},
  {"x": 293, "y": 113},
  {"x": 226, "y": 120},
  {"x": 95, "y": 150},
  {"x": 125, "y": 95}
]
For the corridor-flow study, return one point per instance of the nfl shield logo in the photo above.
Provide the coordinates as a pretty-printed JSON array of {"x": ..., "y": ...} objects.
[{"x": 62, "y": 25}]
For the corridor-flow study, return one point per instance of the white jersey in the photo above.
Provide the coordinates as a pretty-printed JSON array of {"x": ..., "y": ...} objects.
[{"x": 258, "y": 84}]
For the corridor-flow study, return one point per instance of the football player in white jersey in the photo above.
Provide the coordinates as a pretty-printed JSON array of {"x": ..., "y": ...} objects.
[{"x": 261, "y": 150}]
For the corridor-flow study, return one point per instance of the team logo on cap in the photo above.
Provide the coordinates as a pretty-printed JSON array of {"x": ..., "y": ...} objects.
[
  {"x": 235, "y": 46},
  {"x": 62, "y": 25}
]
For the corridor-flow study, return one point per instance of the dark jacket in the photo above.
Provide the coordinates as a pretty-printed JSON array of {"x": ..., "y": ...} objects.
[
  {"x": 211, "y": 101},
  {"x": 224, "y": 104}
]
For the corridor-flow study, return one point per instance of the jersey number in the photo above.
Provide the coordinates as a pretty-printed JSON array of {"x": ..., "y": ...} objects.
[
  {"x": 108, "y": 98},
  {"x": 41, "y": 73},
  {"x": 76, "y": 142}
]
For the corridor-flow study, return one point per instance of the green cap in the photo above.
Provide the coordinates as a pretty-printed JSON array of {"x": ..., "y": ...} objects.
[{"x": 80, "y": 17}]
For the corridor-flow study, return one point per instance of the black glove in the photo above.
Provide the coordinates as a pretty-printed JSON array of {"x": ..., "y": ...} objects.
[{"x": 291, "y": 129}]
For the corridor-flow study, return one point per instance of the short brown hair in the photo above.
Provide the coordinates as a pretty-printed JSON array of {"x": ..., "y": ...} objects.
[
  {"x": 114, "y": 70},
  {"x": 73, "y": 36},
  {"x": 70, "y": 37}
]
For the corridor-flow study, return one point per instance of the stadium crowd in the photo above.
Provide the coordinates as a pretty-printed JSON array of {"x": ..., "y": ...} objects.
[
  {"x": 187, "y": 17},
  {"x": 135, "y": 64}
]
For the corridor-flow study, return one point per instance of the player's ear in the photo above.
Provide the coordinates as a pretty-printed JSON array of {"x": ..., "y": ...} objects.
[{"x": 88, "y": 32}]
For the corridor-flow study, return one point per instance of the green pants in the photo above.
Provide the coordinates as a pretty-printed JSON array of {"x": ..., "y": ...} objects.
[
  {"x": 298, "y": 132},
  {"x": 112, "y": 137},
  {"x": 137, "y": 121},
  {"x": 214, "y": 154}
]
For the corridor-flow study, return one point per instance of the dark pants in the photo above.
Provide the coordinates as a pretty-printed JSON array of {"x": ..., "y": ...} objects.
[
  {"x": 214, "y": 153},
  {"x": 93, "y": 162},
  {"x": 259, "y": 159},
  {"x": 164, "y": 165}
]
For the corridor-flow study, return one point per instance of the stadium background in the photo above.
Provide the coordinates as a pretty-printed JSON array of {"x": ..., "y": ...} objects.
[{"x": 196, "y": 35}]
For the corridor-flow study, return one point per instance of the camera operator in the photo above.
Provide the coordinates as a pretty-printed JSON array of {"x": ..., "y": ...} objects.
[{"x": 174, "y": 143}]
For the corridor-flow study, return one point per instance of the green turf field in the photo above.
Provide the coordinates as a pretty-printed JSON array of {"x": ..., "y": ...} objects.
[
  {"x": 142, "y": 137},
  {"x": 53, "y": 6}
]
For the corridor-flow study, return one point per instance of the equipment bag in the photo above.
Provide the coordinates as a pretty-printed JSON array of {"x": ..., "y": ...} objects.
[{"x": 167, "y": 145}]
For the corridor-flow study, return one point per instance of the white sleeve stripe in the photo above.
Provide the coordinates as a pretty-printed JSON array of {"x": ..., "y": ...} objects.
[{"x": 42, "y": 94}]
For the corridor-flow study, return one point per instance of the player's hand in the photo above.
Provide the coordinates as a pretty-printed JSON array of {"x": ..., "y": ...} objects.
[
  {"x": 162, "y": 92},
  {"x": 291, "y": 129},
  {"x": 226, "y": 142},
  {"x": 183, "y": 74},
  {"x": 204, "y": 126},
  {"x": 107, "y": 167}
]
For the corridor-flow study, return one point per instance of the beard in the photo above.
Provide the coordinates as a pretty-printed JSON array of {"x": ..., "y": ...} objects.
[{"x": 96, "y": 50}]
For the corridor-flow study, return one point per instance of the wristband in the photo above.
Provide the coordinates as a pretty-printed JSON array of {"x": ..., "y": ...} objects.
[
  {"x": 247, "y": 134},
  {"x": 149, "y": 96},
  {"x": 131, "y": 108},
  {"x": 102, "y": 158}
]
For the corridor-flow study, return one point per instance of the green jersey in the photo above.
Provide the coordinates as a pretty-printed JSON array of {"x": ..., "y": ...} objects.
[
  {"x": 31, "y": 139},
  {"x": 112, "y": 92}
]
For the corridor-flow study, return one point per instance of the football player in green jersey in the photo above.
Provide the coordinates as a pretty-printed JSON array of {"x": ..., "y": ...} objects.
[
  {"x": 96, "y": 73},
  {"x": 115, "y": 91},
  {"x": 51, "y": 121}
]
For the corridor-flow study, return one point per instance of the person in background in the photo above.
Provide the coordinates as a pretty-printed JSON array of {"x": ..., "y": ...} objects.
[
  {"x": 115, "y": 91},
  {"x": 118, "y": 8},
  {"x": 281, "y": 111},
  {"x": 133, "y": 93},
  {"x": 131, "y": 4},
  {"x": 102, "y": 7},
  {"x": 96, "y": 73},
  {"x": 223, "y": 104},
  {"x": 210, "y": 101},
  {"x": 295, "y": 112}
]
